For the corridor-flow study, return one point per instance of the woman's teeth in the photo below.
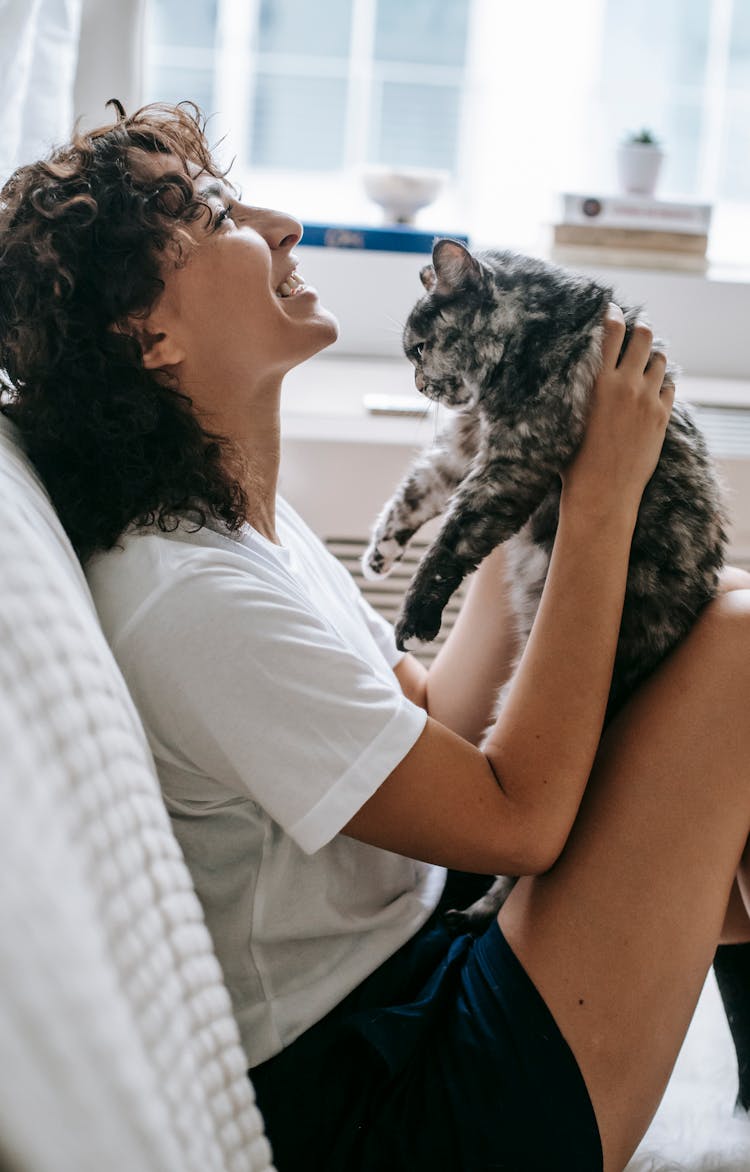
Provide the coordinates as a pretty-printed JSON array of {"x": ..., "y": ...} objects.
[{"x": 293, "y": 284}]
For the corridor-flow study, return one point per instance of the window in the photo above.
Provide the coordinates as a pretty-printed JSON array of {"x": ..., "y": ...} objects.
[
  {"x": 180, "y": 51},
  {"x": 515, "y": 102},
  {"x": 693, "y": 83},
  {"x": 309, "y": 94}
]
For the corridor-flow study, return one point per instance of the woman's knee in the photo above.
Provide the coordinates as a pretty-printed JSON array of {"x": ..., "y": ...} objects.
[
  {"x": 724, "y": 630},
  {"x": 690, "y": 715}
]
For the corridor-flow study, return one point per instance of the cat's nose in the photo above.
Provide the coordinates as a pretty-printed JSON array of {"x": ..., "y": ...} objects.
[{"x": 419, "y": 380}]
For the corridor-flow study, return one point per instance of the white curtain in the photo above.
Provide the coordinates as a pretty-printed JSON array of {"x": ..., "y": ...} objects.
[
  {"x": 60, "y": 60},
  {"x": 38, "y": 60}
]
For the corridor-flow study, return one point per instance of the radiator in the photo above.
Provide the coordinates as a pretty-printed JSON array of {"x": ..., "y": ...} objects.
[{"x": 727, "y": 433}]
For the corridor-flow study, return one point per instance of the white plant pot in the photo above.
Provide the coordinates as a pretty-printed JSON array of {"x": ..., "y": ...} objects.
[{"x": 638, "y": 167}]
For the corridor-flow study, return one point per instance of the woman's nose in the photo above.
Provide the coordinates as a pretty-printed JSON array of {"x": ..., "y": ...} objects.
[{"x": 278, "y": 229}]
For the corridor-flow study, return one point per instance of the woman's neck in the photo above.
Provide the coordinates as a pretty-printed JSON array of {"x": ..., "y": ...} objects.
[
  {"x": 248, "y": 416},
  {"x": 261, "y": 515},
  {"x": 260, "y": 445}
]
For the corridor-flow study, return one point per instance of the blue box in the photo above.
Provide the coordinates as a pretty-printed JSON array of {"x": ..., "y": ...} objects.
[{"x": 390, "y": 238}]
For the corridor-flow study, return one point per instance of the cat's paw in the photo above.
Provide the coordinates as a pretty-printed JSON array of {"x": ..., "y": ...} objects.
[
  {"x": 380, "y": 557},
  {"x": 419, "y": 619},
  {"x": 480, "y": 914},
  {"x": 460, "y": 922}
]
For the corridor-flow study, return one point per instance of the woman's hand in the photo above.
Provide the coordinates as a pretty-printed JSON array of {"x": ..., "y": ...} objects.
[{"x": 630, "y": 408}]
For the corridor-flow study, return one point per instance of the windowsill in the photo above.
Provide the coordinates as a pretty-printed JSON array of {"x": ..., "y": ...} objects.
[
  {"x": 717, "y": 271},
  {"x": 721, "y": 272},
  {"x": 324, "y": 399}
]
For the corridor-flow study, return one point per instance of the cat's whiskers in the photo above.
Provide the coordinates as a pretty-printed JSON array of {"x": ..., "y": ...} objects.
[{"x": 396, "y": 326}]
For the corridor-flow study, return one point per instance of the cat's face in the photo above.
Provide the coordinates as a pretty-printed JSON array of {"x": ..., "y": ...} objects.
[
  {"x": 494, "y": 328},
  {"x": 437, "y": 339}
]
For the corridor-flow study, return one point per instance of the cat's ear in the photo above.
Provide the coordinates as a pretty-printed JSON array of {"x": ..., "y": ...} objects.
[
  {"x": 454, "y": 266},
  {"x": 428, "y": 278}
]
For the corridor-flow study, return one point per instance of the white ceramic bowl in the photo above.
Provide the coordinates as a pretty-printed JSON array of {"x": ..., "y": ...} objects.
[{"x": 401, "y": 192}]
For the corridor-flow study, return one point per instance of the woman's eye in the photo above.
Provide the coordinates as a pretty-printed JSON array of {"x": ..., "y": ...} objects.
[{"x": 223, "y": 215}]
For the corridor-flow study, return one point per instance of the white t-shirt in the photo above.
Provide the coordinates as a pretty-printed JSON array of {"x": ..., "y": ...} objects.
[{"x": 265, "y": 684}]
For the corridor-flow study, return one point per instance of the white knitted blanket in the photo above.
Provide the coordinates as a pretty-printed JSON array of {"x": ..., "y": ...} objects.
[{"x": 119, "y": 1050}]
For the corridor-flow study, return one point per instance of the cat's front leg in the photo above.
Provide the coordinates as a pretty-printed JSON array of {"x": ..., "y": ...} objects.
[
  {"x": 438, "y": 576},
  {"x": 479, "y": 914},
  {"x": 479, "y": 520},
  {"x": 421, "y": 495}
]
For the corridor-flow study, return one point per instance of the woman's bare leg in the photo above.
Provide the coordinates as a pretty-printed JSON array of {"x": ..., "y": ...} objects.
[
  {"x": 736, "y": 927},
  {"x": 619, "y": 935}
]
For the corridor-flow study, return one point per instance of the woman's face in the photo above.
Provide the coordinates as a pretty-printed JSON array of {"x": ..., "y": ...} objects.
[{"x": 236, "y": 309}]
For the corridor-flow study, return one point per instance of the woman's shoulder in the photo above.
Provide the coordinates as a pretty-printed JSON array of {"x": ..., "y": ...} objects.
[
  {"x": 146, "y": 563},
  {"x": 154, "y": 551},
  {"x": 149, "y": 565}
]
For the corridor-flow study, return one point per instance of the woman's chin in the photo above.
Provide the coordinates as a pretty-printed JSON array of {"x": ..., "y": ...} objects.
[
  {"x": 321, "y": 331},
  {"x": 326, "y": 329}
]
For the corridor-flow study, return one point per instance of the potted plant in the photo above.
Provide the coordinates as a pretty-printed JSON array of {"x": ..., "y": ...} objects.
[{"x": 639, "y": 160}]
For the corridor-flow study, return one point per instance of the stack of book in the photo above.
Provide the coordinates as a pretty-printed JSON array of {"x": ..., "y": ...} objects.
[{"x": 632, "y": 230}]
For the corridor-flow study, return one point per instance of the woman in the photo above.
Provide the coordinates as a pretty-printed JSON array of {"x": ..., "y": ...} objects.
[{"x": 318, "y": 782}]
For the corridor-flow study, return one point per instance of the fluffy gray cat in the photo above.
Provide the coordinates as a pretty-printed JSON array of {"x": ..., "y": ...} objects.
[{"x": 514, "y": 345}]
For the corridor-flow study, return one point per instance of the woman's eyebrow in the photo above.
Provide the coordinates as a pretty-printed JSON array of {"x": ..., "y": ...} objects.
[{"x": 212, "y": 189}]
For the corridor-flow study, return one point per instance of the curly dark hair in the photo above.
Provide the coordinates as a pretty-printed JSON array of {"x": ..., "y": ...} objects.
[{"x": 83, "y": 236}]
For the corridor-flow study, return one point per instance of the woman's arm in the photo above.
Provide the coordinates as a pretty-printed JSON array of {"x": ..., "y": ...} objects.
[
  {"x": 461, "y": 686},
  {"x": 510, "y": 809}
]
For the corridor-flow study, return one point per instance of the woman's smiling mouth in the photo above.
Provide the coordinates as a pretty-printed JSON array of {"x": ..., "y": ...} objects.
[{"x": 291, "y": 285}]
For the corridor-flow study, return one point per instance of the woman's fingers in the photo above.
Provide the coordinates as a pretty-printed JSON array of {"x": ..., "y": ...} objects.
[
  {"x": 639, "y": 359},
  {"x": 638, "y": 350},
  {"x": 614, "y": 332},
  {"x": 631, "y": 403},
  {"x": 654, "y": 375},
  {"x": 657, "y": 385}
]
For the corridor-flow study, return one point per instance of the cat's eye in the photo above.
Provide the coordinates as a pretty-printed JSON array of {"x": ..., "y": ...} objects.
[{"x": 419, "y": 350}]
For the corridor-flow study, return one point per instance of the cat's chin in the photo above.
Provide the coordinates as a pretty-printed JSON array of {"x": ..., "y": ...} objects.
[
  {"x": 453, "y": 404},
  {"x": 459, "y": 398}
]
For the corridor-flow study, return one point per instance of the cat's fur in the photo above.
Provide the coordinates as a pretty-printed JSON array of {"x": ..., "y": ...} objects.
[{"x": 514, "y": 344}]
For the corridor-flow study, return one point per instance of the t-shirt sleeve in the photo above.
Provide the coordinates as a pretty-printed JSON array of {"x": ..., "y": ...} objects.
[
  {"x": 245, "y": 684},
  {"x": 381, "y": 631}
]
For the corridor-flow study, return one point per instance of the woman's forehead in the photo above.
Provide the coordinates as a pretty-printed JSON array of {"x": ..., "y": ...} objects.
[{"x": 154, "y": 164}]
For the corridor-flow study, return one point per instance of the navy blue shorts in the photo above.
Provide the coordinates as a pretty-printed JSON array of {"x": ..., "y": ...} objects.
[{"x": 446, "y": 1059}]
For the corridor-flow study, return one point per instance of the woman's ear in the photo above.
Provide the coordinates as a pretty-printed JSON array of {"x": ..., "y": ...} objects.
[{"x": 159, "y": 347}]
